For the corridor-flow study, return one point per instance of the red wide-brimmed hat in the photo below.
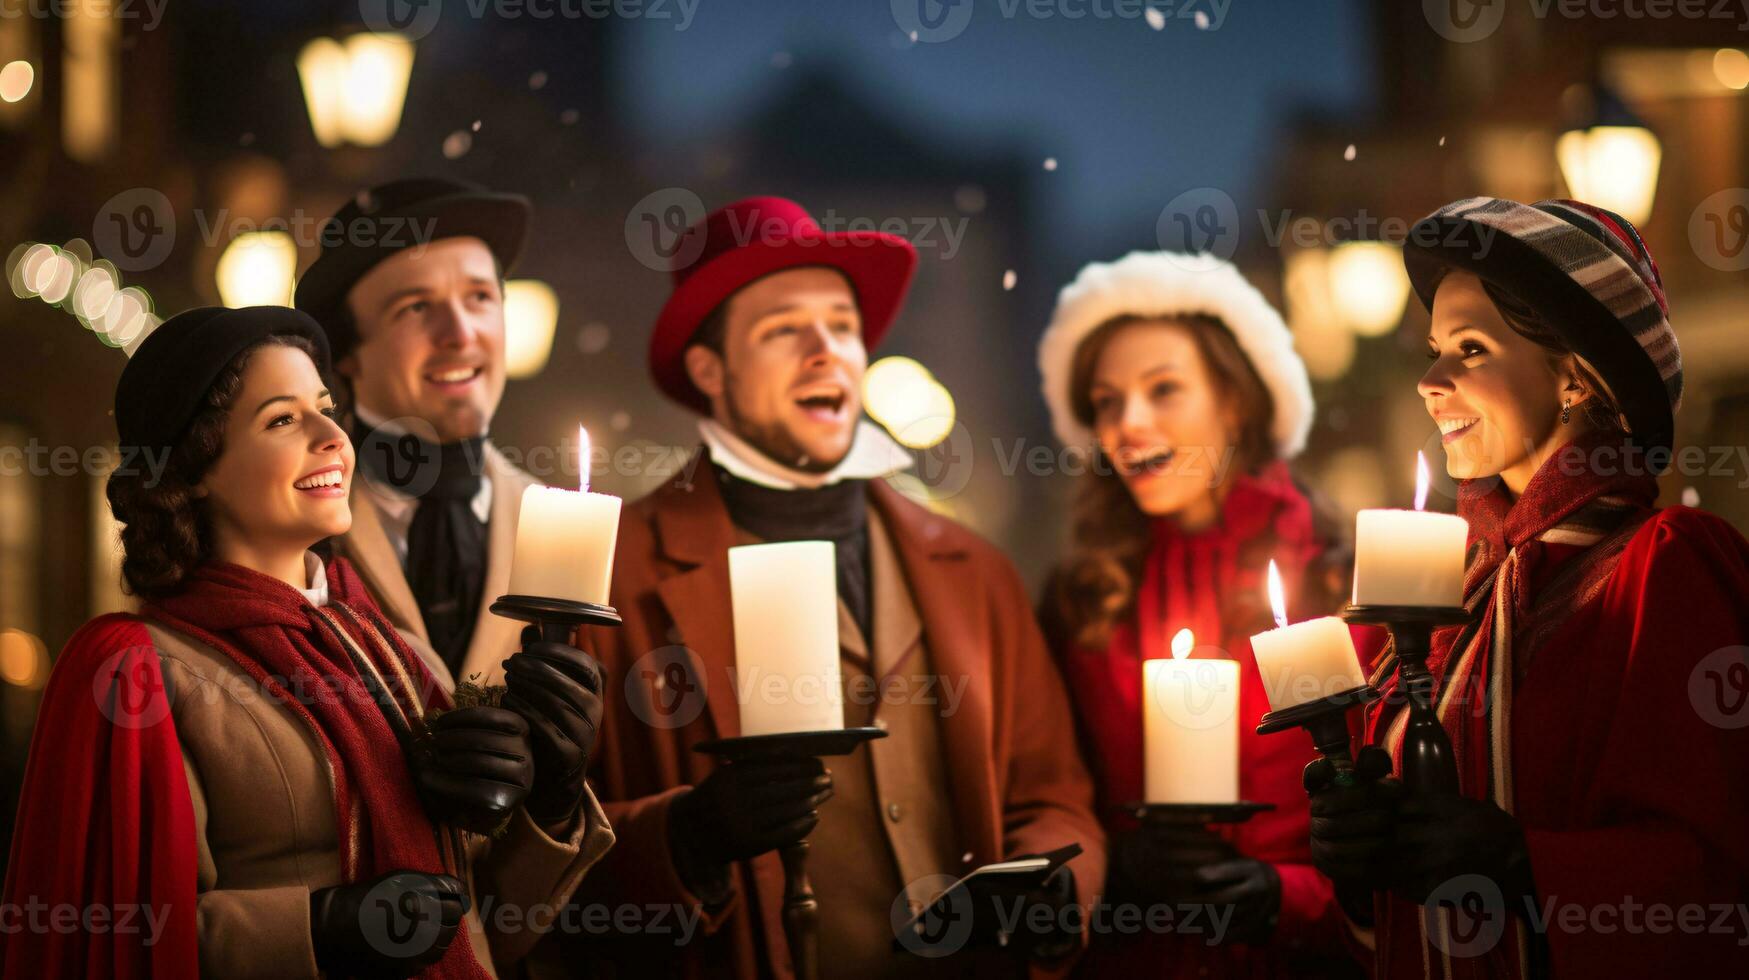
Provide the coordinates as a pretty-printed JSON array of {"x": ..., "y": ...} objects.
[{"x": 755, "y": 237}]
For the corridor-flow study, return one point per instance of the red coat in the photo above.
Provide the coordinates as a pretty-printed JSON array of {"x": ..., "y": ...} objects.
[
  {"x": 1202, "y": 575},
  {"x": 1019, "y": 785}
]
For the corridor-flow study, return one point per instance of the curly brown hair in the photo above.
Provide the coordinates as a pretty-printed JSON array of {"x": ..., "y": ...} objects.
[
  {"x": 166, "y": 525},
  {"x": 1094, "y": 588}
]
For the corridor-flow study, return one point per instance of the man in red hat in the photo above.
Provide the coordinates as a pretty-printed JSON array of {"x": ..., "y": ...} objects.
[{"x": 767, "y": 336}]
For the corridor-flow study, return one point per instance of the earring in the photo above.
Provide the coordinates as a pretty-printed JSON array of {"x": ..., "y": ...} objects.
[{"x": 1566, "y": 412}]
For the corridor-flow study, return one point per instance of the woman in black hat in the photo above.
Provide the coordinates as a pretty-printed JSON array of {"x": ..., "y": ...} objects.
[
  {"x": 256, "y": 776},
  {"x": 1596, "y": 702}
]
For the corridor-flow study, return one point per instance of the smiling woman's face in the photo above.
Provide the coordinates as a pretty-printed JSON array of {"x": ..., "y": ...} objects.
[
  {"x": 282, "y": 479},
  {"x": 1495, "y": 394}
]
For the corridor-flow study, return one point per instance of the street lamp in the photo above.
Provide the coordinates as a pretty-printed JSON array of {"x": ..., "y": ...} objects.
[
  {"x": 1369, "y": 286},
  {"x": 256, "y": 269},
  {"x": 355, "y": 89},
  {"x": 531, "y": 315},
  {"x": 1610, "y": 159}
]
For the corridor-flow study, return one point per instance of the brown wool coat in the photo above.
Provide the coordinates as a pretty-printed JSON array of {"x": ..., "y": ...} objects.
[{"x": 1018, "y": 782}]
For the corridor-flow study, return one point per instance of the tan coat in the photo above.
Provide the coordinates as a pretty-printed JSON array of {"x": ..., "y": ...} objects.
[
  {"x": 266, "y": 834},
  {"x": 368, "y": 547},
  {"x": 1018, "y": 784}
]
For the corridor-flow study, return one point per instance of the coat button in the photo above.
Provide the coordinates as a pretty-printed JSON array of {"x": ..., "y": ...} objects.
[{"x": 894, "y": 812}]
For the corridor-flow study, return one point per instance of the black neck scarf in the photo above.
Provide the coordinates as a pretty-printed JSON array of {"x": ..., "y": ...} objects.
[
  {"x": 446, "y": 542},
  {"x": 837, "y": 513}
]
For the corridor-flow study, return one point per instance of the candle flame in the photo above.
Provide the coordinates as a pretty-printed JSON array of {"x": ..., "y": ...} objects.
[
  {"x": 582, "y": 458},
  {"x": 1277, "y": 596},
  {"x": 1421, "y": 480},
  {"x": 1182, "y": 643}
]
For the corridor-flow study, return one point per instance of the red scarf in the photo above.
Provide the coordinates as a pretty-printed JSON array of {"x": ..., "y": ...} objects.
[
  {"x": 1564, "y": 534},
  {"x": 364, "y": 691}
]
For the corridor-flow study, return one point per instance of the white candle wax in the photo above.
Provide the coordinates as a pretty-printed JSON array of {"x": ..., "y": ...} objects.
[
  {"x": 564, "y": 544},
  {"x": 785, "y": 601},
  {"x": 1190, "y": 728},
  {"x": 1306, "y": 661},
  {"x": 1409, "y": 558}
]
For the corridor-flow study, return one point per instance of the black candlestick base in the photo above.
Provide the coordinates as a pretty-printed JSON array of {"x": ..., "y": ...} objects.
[
  {"x": 557, "y": 618},
  {"x": 1428, "y": 763},
  {"x": 1326, "y": 719},
  {"x": 801, "y": 911}
]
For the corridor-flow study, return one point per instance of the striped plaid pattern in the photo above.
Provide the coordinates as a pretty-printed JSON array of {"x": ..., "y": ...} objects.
[{"x": 1602, "y": 252}]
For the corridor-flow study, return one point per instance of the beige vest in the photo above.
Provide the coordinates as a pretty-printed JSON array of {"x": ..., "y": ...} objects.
[{"x": 266, "y": 835}]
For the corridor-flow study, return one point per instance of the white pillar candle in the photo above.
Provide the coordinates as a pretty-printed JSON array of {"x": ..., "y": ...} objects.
[
  {"x": 1409, "y": 557},
  {"x": 785, "y": 602},
  {"x": 1190, "y": 727},
  {"x": 565, "y": 541},
  {"x": 1305, "y": 661}
]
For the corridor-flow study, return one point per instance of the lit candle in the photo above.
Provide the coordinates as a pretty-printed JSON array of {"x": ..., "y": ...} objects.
[
  {"x": 785, "y": 602},
  {"x": 1190, "y": 727},
  {"x": 1305, "y": 661},
  {"x": 1409, "y": 557},
  {"x": 565, "y": 540}
]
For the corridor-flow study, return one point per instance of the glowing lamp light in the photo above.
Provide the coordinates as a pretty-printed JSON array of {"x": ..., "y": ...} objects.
[
  {"x": 1369, "y": 286},
  {"x": 24, "y": 660},
  {"x": 355, "y": 89},
  {"x": 16, "y": 80},
  {"x": 257, "y": 269},
  {"x": 531, "y": 316},
  {"x": 902, "y": 395},
  {"x": 1609, "y": 158}
]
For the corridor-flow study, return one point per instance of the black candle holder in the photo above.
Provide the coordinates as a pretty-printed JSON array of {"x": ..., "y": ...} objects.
[
  {"x": 801, "y": 911},
  {"x": 1428, "y": 763},
  {"x": 1326, "y": 719},
  {"x": 556, "y": 619}
]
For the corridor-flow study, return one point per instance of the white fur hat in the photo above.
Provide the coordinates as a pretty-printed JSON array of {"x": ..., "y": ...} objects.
[{"x": 1157, "y": 284}]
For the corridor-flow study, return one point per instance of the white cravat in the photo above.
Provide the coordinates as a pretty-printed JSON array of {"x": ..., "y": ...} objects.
[
  {"x": 317, "y": 575},
  {"x": 873, "y": 454}
]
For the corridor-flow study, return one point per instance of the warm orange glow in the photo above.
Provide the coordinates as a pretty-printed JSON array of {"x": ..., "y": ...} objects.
[
  {"x": 1277, "y": 596},
  {"x": 1183, "y": 642}
]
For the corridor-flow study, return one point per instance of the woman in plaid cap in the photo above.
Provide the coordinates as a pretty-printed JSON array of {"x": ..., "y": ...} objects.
[{"x": 1595, "y": 701}]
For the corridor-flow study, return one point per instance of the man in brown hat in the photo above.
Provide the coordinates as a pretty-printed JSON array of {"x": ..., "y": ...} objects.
[{"x": 767, "y": 335}]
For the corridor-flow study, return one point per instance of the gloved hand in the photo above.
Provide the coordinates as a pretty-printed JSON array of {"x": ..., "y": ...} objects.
[
  {"x": 473, "y": 767},
  {"x": 1442, "y": 837},
  {"x": 1157, "y": 865},
  {"x": 393, "y": 925},
  {"x": 1354, "y": 827},
  {"x": 740, "y": 810},
  {"x": 1244, "y": 894},
  {"x": 1063, "y": 919},
  {"x": 557, "y": 690}
]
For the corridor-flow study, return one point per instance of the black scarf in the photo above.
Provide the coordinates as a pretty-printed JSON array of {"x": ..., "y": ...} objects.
[
  {"x": 837, "y": 513},
  {"x": 446, "y": 542}
]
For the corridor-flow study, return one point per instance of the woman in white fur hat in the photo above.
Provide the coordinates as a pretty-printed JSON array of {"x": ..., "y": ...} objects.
[{"x": 1182, "y": 383}]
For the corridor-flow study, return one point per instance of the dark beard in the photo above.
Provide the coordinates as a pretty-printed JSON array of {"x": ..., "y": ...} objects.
[{"x": 773, "y": 440}]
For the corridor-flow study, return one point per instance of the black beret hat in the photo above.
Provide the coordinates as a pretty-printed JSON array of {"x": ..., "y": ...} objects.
[
  {"x": 166, "y": 382},
  {"x": 399, "y": 215}
]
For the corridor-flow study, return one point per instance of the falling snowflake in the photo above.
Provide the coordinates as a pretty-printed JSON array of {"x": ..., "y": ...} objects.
[
  {"x": 457, "y": 144},
  {"x": 1008, "y": 279},
  {"x": 247, "y": 139},
  {"x": 1202, "y": 20},
  {"x": 1050, "y": 163},
  {"x": 1348, "y": 154},
  {"x": 1442, "y": 141},
  {"x": 969, "y": 198},
  {"x": 913, "y": 37},
  {"x": 568, "y": 117},
  {"x": 1690, "y": 497},
  {"x": 593, "y": 338},
  {"x": 476, "y": 126},
  {"x": 1156, "y": 19},
  {"x": 620, "y": 421},
  {"x": 538, "y": 80},
  {"x": 782, "y": 60}
]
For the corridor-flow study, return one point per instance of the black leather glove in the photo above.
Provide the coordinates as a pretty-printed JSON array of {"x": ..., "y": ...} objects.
[
  {"x": 1442, "y": 837},
  {"x": 473, "y": 767},
  {"x": 1354, "y": 827},
  {"x": 557, "y": 689},
  {"x": 1244, "y": 896},
  {"x": 1157, "y": 865},
  {"x": 740, "y": 810},
  {"x": 393, "y": 925},
  {"x": 1063, "y": 921}
]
